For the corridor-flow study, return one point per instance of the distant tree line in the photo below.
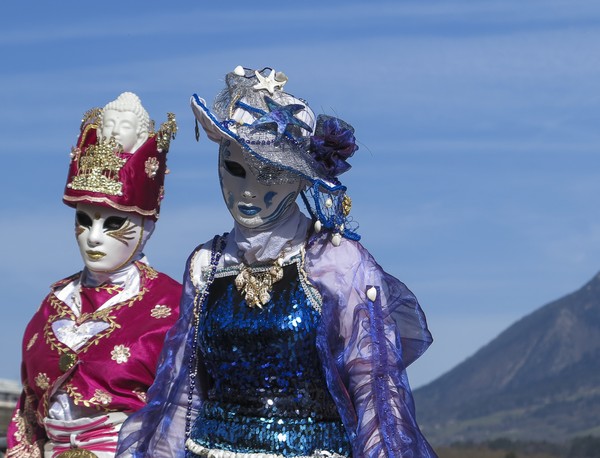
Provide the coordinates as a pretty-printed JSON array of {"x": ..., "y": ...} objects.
[
  {"x": 579, "y": 447},
  {"x": 585, "y": 447}
]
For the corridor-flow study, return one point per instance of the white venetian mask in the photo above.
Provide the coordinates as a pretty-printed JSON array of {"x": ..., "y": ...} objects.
[
  {"x": 124, "y": 127},
  {"x": 108, "y": 239},
  {"x": 251, "y": 203}
]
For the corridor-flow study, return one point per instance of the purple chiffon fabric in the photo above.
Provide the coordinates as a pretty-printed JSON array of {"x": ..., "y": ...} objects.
[{"x": 365, "y": 347}]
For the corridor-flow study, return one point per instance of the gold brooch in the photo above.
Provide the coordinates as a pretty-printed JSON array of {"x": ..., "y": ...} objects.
[
  {"x": 256, "y": 286},
  {"x": 77, "y": 453},
  {"x": 66, "y": 361}
]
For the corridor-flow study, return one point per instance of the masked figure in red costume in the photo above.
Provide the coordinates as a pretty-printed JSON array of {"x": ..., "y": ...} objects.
[{"x": 90, "y": 351}]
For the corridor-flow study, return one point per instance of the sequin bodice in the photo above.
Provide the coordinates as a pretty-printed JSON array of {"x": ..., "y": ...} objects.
[{"x": 267, "y": 391}]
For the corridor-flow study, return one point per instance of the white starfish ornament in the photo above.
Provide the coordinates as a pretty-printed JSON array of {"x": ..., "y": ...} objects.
[{"x": 270, "y": 83}]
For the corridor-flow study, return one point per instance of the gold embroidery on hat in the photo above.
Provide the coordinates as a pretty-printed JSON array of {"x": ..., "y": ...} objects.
[
  {"x": 91, "y": 117},
  {"x": 166, "y": 133},
  {"x": 75, "y": 153},
  {"x": 110, "y": 203},
  {"x": 151, "y": 167},
  {"x": 99, "y": 169}
]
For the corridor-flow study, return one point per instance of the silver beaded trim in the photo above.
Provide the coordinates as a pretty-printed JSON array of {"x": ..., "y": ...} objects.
[{"x": 204, "y": 452}]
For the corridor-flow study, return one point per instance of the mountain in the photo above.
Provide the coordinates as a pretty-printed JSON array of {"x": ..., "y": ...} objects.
[{"x": 538, "y": 380}]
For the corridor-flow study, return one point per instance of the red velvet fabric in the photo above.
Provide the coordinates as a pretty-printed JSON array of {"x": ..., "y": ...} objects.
[
  {"x": 99, "y": 379},
  {"x": 141, "y": 193}
]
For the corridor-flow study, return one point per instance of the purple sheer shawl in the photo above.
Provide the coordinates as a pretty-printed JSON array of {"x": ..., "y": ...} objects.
[{"x": 364, "y": 346}]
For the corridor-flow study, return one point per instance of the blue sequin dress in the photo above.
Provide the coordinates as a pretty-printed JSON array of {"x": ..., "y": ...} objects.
[
  {"x": 262, "y": 378},
  {"x": 267, "y": 392}
]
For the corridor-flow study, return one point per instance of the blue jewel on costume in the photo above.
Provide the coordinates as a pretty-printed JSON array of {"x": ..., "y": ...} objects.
[{"x": 282, "y": 116}]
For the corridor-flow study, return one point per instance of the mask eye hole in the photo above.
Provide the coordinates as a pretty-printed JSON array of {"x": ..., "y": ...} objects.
[
  {"x": 83, "y": 219},
  {"x": 113, "y": 223},
  {"x": 235, "y": 168}
]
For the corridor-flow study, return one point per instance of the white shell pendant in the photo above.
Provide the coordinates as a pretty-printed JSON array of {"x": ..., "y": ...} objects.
[
  {"x": 318, "y": 226},
  {"x": 336, "y": 239},
  {"x": 372, "y": 293}
]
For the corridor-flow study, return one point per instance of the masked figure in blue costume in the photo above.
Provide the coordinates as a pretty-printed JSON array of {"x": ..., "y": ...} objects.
[{"x": 292, "y": 341}]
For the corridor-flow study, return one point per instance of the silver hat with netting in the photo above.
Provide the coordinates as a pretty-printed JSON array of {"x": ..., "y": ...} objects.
[
  {"x": 283, "y": 138},
  {"x": 270, "y": 124}
]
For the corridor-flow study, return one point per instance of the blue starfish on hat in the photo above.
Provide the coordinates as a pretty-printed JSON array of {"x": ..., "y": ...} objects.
[{"x": 282, "y": 116}]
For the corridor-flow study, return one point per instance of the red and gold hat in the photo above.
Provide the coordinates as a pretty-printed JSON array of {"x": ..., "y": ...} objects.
[{"x": 100, "y": 173}]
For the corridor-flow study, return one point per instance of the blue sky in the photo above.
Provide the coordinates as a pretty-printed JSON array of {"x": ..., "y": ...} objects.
[{"x": 478, "y": 169}]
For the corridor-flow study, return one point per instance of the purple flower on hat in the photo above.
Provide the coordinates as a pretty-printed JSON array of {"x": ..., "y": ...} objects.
[{"x": 331, "y": 145}]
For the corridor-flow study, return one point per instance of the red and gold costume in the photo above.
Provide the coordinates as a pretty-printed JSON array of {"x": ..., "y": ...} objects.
[
  {"x": 91, "y": 349},
  {"x": 110, "y": 372}
]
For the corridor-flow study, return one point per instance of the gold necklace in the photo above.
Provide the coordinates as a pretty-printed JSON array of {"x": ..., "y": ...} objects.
[{"x": 257, "y": 286}]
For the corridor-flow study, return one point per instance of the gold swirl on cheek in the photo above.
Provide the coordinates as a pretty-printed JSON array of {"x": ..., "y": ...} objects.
[
  {"x": 124, "y": 233},
  {"x": 79, "y": 230}
]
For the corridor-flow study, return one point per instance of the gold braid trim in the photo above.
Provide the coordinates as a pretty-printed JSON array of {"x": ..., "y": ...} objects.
[
  {"x": 146, "y": 270},
  {"x": 63, "y": 311},
  {"x": 65, "y": 281},
  {"x": 98, "y": 401},
  {"x": 106, "y": 315},
  {"x": 26, "y": 450},
  {"x": 106, "y": 200},
  {"x": 25, "y": 421}
]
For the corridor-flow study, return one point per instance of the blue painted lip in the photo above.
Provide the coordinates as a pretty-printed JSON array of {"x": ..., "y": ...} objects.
[{"x": 249, "y": 211}]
